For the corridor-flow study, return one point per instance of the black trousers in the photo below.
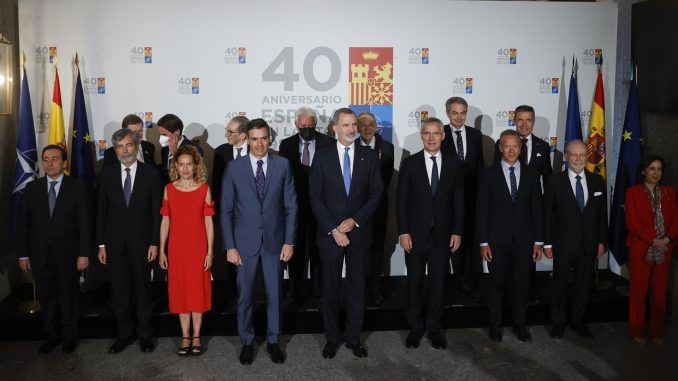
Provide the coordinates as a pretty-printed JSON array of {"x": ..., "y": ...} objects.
[
  {"x": 305, "y": 247},
  {"x": 332, "y": 263},
  {"x": 416, "y": 261},
  {"x": 131, "y": 291},
  {"x": 578, "y": 265},
  {"x": 374, "y": 260},
  {"x": 511, "y": 265},
  {"x": 463, "y": 259},
  {"x": 57, "y": 290}
]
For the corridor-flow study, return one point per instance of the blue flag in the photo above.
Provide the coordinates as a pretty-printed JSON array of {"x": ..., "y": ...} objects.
[
  {"x": 573, "y": 123},
  {"x": 630, "y": 154},
  {"x": 82, "y": 153},
  {"x": 26, "y": 153}
]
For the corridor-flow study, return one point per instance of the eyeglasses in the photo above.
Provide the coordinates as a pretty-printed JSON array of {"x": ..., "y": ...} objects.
[{"x": 230, "y": 132}]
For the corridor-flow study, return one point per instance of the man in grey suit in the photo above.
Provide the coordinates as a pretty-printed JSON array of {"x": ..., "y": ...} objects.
[{"x": 258, "y": 222}]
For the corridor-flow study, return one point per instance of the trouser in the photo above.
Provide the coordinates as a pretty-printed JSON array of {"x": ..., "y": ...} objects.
[
  {"x": 416, "y": 261},
  {"x": 578, "y": 265},
  {"x": 510, "y": 265},
  {"x": 648, "y": 283},
  {"x": 57, "y": 290}
]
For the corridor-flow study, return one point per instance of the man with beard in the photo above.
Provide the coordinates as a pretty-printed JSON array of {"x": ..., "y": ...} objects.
[{"x": 146, "y": 152}]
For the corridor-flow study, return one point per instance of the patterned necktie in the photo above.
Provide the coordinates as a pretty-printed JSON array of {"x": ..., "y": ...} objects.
[
  {"x": 237, "y": 156},
  {"x": 127, "y": 188},
  {"x": 579, "y": 193},
  {"x": 523, "y": 151},
  {"x": 434, "y": 176},
  {"x": 347, "y": 170},
  {"x": 260, "y": 180},
  {"x": 306, "y": 155},
  {"x": 460, "y": 146},
  {"x": 51, "y": 197},
  {"x": 514, "y": 184}
]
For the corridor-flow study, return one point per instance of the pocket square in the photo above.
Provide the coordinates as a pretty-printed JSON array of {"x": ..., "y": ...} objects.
[
  {"x": 596, "y": 194},
  {"x": 538, "y": 154}
]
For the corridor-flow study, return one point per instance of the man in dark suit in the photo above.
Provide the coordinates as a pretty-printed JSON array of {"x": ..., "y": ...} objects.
[
  {"x": 374, "y": 261},
  {"x": 54, "y": 242},
  {"x": 258, "y": 221},
  {"x": 146, "y": 153},
  {"x": 344, "y": 190},
  {"x": 430, "y": 212},
  {"x": 300, "y": 150},
  {"x": 509, "y": 229},
  {"x": 465, "y": 143},
  {"x": 128, "y": 234},
  {"x": 171, "y": 128},
  {"x": 575, "y": 221},
  {"x": 236, "y": 135}
]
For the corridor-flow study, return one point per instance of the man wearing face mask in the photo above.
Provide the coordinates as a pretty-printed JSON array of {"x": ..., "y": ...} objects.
[
  {"x": 146, "y": 153},
  {"x": 300, "y": 150},
  {"x": 171, "y": 128}
]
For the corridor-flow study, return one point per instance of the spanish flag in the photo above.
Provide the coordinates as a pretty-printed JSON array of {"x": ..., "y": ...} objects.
[
  {"x": 57, "y": 131},
  {"x": 596, "y": 142}
]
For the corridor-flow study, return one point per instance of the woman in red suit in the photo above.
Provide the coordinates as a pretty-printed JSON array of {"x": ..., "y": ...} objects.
[
  {"x": 652, "y": 221},
  {"x": 187, "y": 208}
]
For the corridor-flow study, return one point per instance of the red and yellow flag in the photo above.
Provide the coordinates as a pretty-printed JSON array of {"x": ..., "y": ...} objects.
[
  {"x": 596, "y": 142},
  {"x": 57, "y": 131}
]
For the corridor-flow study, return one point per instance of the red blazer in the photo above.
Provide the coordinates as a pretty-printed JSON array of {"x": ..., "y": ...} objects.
[{"x": 640, "y": 220}]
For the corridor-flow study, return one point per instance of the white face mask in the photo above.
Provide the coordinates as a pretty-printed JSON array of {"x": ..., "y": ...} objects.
[{"x": 163, "y": 140}]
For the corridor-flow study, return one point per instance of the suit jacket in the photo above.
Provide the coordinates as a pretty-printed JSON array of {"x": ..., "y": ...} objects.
[
  {"x": 329, "y": 201},
  {"x": 247, "y": 224},
  {"x": 136, "y": 226},
  {"x": 164, "y": 158},
  {"x": 384, "y": 150},
  {"x": 417, "y": 207},
  {"x": 289, "y": 148},
  {"x": 472, "y": 166},
  {"x": 147, "y": 150},
  {"x": 640, "y": 219},
  {"x": 540, "y": 157},
  {"x": 67, "y": 232},
  {"x": 223, "y": 155},
  {"x": 499, "y": 220},
  {"x": 565, "y": 226}
]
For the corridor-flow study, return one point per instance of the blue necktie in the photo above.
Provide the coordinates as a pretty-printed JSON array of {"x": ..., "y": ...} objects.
[
  {"x": 347, "y": 170},
  {"x": 460, "y": 146},
  {"x": 127, "y": 187},
  {"x": 579, "y": 194},
  {"x": 237, "y": 156},
  {"x": 434, "y": 176},
  {"x": 514, "y": 184},
  {"x": 260, "y": 179}
]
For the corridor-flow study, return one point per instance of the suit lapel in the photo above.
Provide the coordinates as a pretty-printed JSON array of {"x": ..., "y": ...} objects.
[
  {"x": 336, "y": 167},
  {"x": 246, "y": 165},
  {"x": 44, "y": 195},
  {"x": 356, "y": 174},
  {"x": 499, "y": 172},
  {"x": 269, "y": 170},
  {"x": 63, "y": 191},
  {"x": 566, "y": 188}
]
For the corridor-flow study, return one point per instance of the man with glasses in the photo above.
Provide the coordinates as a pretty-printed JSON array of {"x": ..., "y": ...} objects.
[{"x": 237, "y": 147}]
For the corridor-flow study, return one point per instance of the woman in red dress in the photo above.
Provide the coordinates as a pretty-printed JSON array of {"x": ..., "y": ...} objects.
[
  {"x": 652, "y": 221},
  {"x": 187, "y": 210}
]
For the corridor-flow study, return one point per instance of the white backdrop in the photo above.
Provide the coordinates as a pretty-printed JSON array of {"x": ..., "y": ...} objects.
[{"x": 297, "y": 54}]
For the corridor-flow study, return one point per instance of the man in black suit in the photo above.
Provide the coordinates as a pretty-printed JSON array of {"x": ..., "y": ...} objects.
[
  {"x": 509, "y": 228},
  {"x": 300, "y": 150},
  {"x": 466, "y": 144},
  {"x": 128, "y": 234},
  {"x": 171, "y": 128},
  {"x": 146, "y": 152},
  {"x": 575, "y": 221},
  {"x": 430, "y": 212},
  {"x": 54, "y": 242},
  {"x": 237, "y": 147},
  {"x": 344, "y": 190},
  {"x": 374, "y": 261}
]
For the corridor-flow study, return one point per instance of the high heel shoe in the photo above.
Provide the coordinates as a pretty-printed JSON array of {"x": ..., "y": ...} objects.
[
  {"x": 196, "y": 350},
  {"x": 184, "y": 351}
]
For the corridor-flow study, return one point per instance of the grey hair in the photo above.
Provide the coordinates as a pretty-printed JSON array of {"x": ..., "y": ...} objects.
[
  {"x": 242, "y": 123},
  {"x": 574, "y": 141},
  {"x": 305, "y": 111},
  {"x": 123, "y": 133},
  {"x": 433, "y": 120}
]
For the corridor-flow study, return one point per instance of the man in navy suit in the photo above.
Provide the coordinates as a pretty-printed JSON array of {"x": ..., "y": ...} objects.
[
  {"x": 236, "y": 148},
  {"x": 509, "y": 226},
  {"x": 258, "y": 222},
  {"x": 345, "y": 188}
]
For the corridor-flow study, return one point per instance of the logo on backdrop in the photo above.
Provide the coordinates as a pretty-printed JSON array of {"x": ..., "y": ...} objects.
[
  {"x": 549, "y": 85},
  {"x": 462, "y": 85},
  {"x": 232, "y": 114},
  {"x": 235, "y": 55},
  {"x": 585, "y": 117},
  {"x": 102, "y": 147},
  {"x": 419, "y": 56},
  {"x": 188, "y": 85},
  {"x": 371, "y": 85},
  {"x": 94, "y": 85},
  {"x": 504, "y": 119},
  {"x": 141, "y": 55},
  {"x": 507, "y": 56},
  {"x": 45, "y": 54},
  {"x": 553, "y": 141},
  {"x": 592, "y": 56},
  {"x": 148, "y": 119},
  {"x": 416, "y": 117}
]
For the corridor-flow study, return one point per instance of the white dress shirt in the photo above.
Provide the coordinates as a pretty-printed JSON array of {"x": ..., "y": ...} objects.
[
  {"x": 132, "y": 173},
  {"x": 573, "y": 182},
  {"x": 429, "y": 164},
  {"x": 57, "y": 186},
  {"x": 463, "y": 138},
  {"x": 341, "y": 149},
  {"x": 253, "y": 162},
  {"x": 371, "y": 144},
  {"x": 243, "y": 152},
  {"x": 530, "y": 140}
]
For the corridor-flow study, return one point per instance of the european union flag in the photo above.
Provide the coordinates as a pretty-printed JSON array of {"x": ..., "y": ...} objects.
[
  {"x": 26, "y": 153},
  {"x": 630, "y": 154},
  {"x": 82, "y": 155},
  {"x": 573, "y": 122}
]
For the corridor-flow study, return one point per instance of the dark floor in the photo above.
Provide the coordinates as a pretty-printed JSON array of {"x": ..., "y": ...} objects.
[{"x": 469, "y": 356}]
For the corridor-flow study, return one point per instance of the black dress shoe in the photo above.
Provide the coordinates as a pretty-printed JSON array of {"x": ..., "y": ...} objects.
[
  {"x": 247, "y": 355},
  {"x": 358, "y": 349},
  {"x": 583, "y": 331},
  {"x": 495, "y": 333},
  {"x": 522, "y": 334},
  {"x": 120, "y": 345},
  {"x": 330, "y": 350},
  {"x": 146, "y": 345},
  {"x": 437, "y": 340},
  {"x": 413, "y": 339},
  {"x": 69, "y": 346},
  {"x": 48, "y": 346},
  {"x": 277, "y": 355},
  {"x": 557, "y": 332}
]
